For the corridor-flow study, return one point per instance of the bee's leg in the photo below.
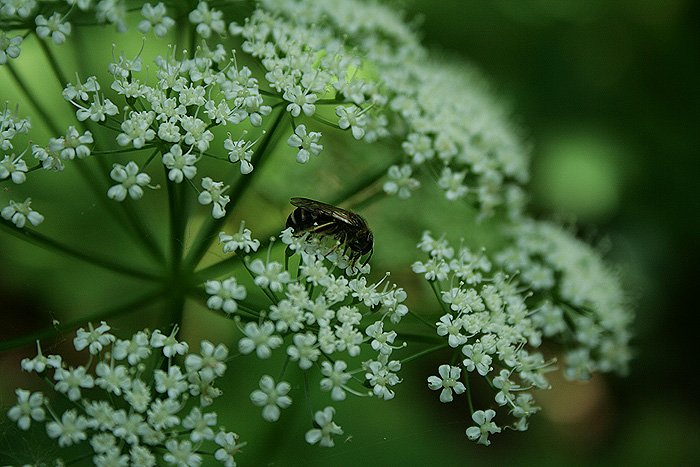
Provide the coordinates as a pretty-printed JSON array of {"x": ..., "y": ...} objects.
[{"x": 318, "y": 228}]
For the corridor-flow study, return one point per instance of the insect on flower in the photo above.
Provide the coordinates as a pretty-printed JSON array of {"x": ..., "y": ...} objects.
[{"x": 348, "y": 228}]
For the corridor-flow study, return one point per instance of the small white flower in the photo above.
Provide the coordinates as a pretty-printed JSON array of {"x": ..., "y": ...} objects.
[
  {"x": 138, "y": 396},
  {"x": 54, "y": 26},
  {"x": 161, "y": 414},
  {"x": 141, "y": 455},
  {"x": 300, "y": 101},
  {"x": 506, "y": 385},
  {"x": 271, "y": 275},
  {"x": 326, "y": 428},
  {"x": 70, "y": 381},
  {"x": 14, "y": 167},
  {"x": 192, "y": 95},
  {"x": 173, "y": 382},
  {"x": 9, "y": 47},
  {"x": 156, "y": 19},
  {"x": 307, "y": 143},
  {"x": 79, "y": 90},
  {"x": 30, "y": 406},
  {"x": 381, "y": 341},
  {"x": 241, "y": 240},
  {"x": 224, "y": 294},
  {"x": 169, "y": 130},
  {"x": 451, "y": 327},
  {"x": 453, "y": 184},
  {"x": 70, "y": 430},
  {"x": 111, "y": 378},
  {"x": 213, "y": 194},
  {"x": 97, "y": 111},
  {"x": 171, "y": 346},
  {"x": 259, "y": 338},
  {"x": 137, "y": 129},
  {"x": 352, "y": 117},
  {"x": 254, "y": 109},
  {"x": 419, "y": 146},
  {"x": 211, "y": 363},
  {"x": 200, "y": 424},
  {"x": 122, "y": 67},
  {"x": 448, "y": 382},
  {"x": 130, "y": 182},
  {"x": 477, "y": 358},
  {"x": 134, "y": 350},
  {"x": 229, "y": 447},
  {"x": 239, "y": 151},
  {"x": 181, "y": 453},
  {"x": 381, "y": 374},
  {"x": 434, "y": 269},
  {"x": 72, "y": 145},
  {"x": 94, "y": 339},
  {"x": 335, "y": 378},
  {"x": 304, "y": 349},
  {"x": 40, "y": 362},
  {"x": 271, "y": 397},
  {"x": 401, "y": 183},
  {"x": 436, "y": 247},
  {"x": 484, "y": 426},
  {"x": 20, "y": 213},
  {"x": 207, "y": 20},
  {"x": 180, "y": 165}
]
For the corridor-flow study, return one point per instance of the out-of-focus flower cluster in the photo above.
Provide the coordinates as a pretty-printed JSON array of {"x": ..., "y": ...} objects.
[
  {"x": 577, "y": 298},
  {"x": 497, "y": 314}
]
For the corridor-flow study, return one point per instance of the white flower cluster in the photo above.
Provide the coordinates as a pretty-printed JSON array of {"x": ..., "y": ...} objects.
[
  {"x": 486, "y": 320},
  {"x": 577, "y": 298},
  {"x": 497, "y": 321},
  {"x": 127, "y": 414},
  {"x": 343, "y": 65},
  {"x": 324, "y": 318}
]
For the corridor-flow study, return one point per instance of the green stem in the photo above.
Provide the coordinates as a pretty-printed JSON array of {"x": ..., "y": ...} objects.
[
  {"x": 318, "y": 118},
  {"x": 178, "y": 222},
  {"x": 30, "y": 96},
  {"x": 436, "y": 289},
  {"x": 100, "y": 315},
  {"x": 62, "y": 81},
  {"x": 47, "y": 243},
  {"x": 424, "y": 352},
  {"x": 265, "y": 290},
  {"x": 421, "y": 319},
  {"x": 218, "y": 269},
  {"x": 213, "y": 226},
  {"x": 123, "y": 213},
  {"x": 468, "y": 392},
  {"x": 427, "y": 339}
]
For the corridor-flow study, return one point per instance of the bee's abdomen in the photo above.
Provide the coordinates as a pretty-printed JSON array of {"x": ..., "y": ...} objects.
[{"x": 302, "y": 219}]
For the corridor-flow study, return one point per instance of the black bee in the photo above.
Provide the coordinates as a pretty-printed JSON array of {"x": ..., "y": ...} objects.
[{"x": 348, "y": 228}]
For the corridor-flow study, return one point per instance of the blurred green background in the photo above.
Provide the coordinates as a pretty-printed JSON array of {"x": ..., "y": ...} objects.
[{"x": 608, "y": 93}]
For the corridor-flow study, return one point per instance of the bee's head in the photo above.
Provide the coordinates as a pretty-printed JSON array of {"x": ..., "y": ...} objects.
[{"x": 363, "y": 241}]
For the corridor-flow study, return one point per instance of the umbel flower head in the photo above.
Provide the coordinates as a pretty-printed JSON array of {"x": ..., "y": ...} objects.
[{"x": 220, "y": 118}]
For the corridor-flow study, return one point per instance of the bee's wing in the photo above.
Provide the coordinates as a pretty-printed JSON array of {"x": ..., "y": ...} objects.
[{"x": 318, "y": 207}]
